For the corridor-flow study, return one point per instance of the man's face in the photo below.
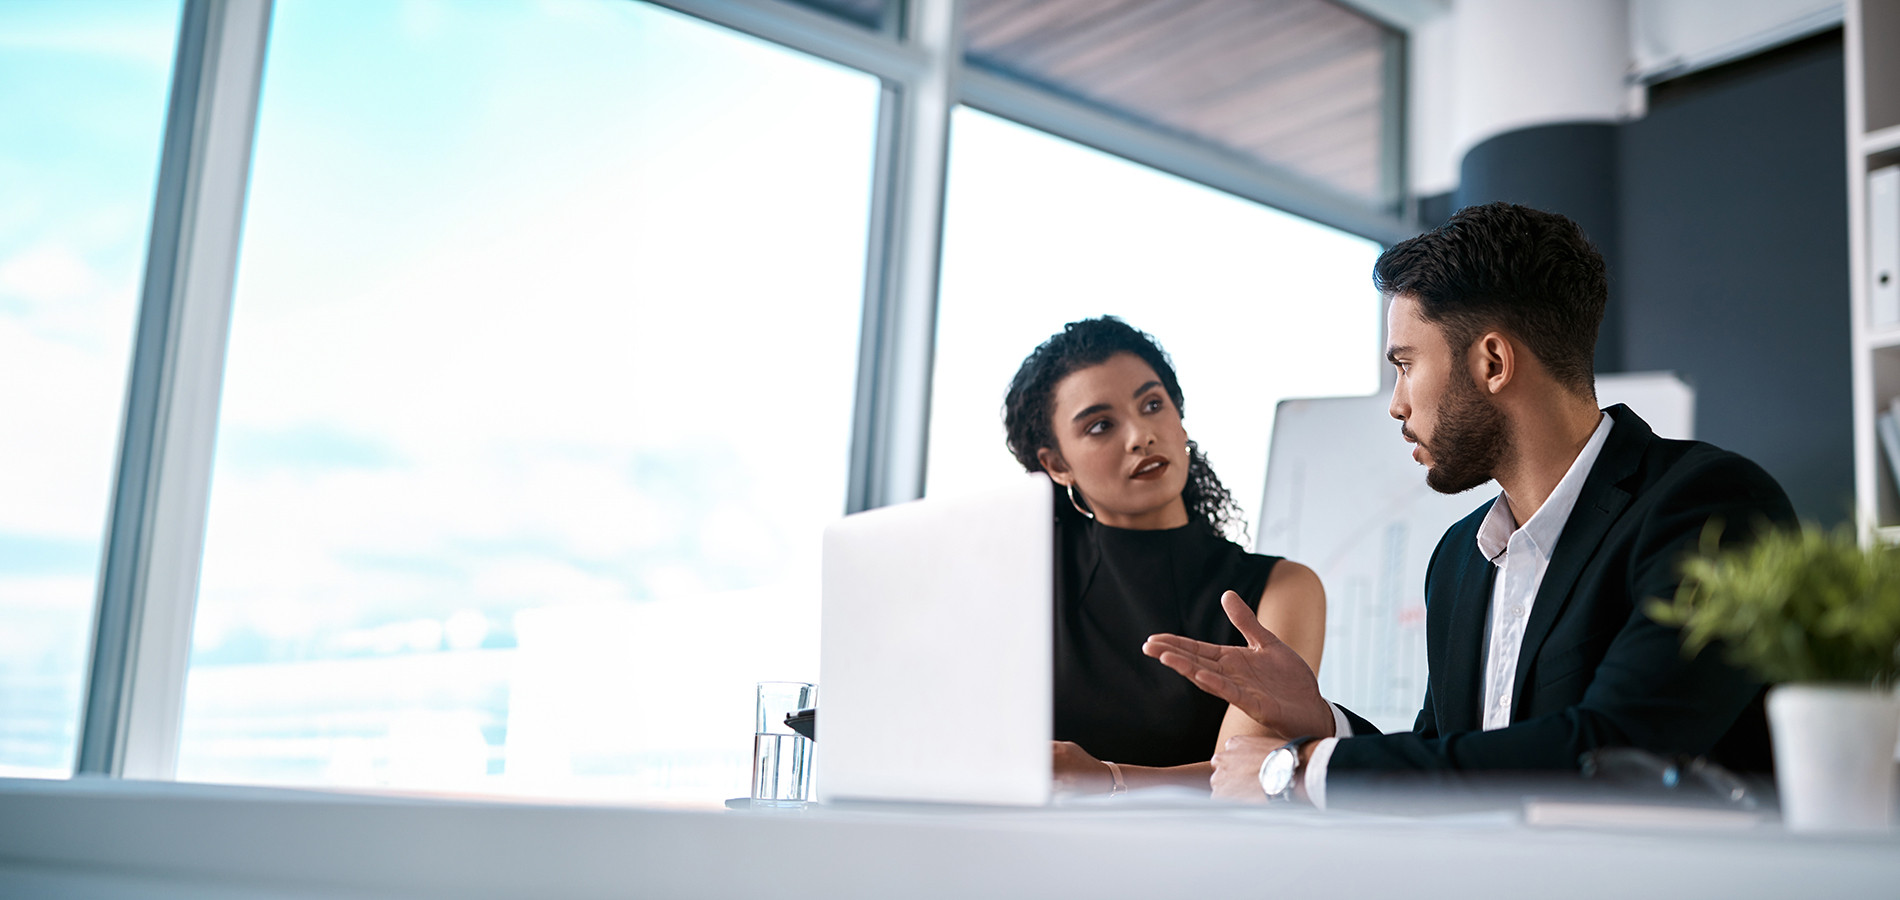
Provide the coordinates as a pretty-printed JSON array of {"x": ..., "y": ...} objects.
[{"x": 1460, "y": 433}]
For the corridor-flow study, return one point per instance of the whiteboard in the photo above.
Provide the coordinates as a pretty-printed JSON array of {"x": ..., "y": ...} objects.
[{"x": 1344, "y": 497}]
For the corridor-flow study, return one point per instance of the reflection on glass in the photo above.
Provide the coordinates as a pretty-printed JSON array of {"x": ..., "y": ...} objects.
[
  {"x": 539, "y": 394},
  {"x": 1254, "y": 305},
  {"x": 82, "y": 109}
]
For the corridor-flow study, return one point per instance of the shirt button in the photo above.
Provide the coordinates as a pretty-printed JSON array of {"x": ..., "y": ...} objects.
[
  {"x": 1517, "y": 611},
  {"x": 1504, "y": 702}
]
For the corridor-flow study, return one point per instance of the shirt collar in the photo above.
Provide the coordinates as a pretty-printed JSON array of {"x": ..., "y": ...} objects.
[{"x": 1494, "y": 533}]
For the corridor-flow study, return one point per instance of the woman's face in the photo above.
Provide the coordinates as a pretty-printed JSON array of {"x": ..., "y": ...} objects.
[{"x": 1121, "y": 444}]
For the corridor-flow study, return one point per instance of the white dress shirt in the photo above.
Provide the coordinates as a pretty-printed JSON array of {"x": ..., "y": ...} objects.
[{"x": 1521, "y": 554}]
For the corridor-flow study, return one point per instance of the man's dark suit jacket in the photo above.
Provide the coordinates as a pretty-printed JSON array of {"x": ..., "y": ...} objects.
[{"x": 1594, "y": 671}]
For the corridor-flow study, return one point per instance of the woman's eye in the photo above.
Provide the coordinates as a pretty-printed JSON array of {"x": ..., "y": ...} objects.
[
  {"x": 1153, "y": 405},
  {"x": 1099, "y": 426}
]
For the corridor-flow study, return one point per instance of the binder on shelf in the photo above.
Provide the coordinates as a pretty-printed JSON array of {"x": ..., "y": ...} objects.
[{"x": 1883, "y": 246}]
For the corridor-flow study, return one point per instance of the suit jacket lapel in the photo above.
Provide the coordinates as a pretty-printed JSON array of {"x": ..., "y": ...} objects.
[
  {"x": 1599, "y": 504},
  {"x": 1457, "y": 704}
]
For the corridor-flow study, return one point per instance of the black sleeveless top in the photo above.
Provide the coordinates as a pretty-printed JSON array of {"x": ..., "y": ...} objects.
[{"x": 1114, "y": 588}]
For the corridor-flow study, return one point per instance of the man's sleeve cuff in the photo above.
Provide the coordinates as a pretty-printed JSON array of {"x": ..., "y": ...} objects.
[
  {"x": 1316, "y": 771},
  {"x": 1323, "y": 754}
]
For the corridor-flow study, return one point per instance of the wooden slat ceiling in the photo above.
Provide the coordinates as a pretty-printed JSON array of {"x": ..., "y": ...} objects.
[{"x": 1296, "y": 84}]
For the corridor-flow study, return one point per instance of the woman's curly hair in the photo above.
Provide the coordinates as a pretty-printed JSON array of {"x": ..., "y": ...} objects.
[{"x": 1029, "y": 419}]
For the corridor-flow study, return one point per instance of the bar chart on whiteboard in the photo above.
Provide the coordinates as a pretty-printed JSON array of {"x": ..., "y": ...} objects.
[{"x": 1344, "y": 497}]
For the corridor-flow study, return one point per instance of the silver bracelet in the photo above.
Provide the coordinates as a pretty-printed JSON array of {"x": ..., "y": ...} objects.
[{"x": 1121, "y": 787}]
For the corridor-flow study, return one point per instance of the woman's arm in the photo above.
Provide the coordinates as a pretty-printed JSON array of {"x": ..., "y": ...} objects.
[
  {"x": 1293, "y": 607},
  {"x": 1077, "y": 772}
]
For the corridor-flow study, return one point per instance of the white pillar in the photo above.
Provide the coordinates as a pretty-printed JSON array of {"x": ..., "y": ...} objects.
[{"x": 1487, "y": 67}]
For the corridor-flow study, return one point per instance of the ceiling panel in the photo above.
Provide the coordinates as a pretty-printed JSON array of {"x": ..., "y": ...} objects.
[{"x": 1298, "y": 85}]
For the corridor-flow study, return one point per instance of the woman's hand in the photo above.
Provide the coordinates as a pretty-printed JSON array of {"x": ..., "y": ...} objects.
[{"x": 1077, "y": 772}]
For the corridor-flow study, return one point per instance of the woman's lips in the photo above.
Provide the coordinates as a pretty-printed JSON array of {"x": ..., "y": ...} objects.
[{"x": 1150, "y": 468}]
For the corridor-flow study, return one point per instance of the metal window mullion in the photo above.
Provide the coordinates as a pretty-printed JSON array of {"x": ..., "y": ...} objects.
[
  {"x": 155, "y": 536},
  {"x": 890, "y": 434},
  {"x": 1393, "y": 127}
]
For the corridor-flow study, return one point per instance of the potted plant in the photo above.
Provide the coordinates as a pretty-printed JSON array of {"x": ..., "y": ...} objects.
[{"x": 1817, "y": 615}]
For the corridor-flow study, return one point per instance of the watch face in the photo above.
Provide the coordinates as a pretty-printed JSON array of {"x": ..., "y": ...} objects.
[{"x": 1276, "y": 771}]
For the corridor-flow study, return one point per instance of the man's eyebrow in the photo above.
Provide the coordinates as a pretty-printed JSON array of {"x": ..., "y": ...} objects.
[
  {"x": 1392, "y": 354},
  {"x": 1146, "y": 387}
]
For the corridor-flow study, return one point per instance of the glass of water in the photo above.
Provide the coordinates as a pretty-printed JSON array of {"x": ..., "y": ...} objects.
[{"x": 781, "y": 757}]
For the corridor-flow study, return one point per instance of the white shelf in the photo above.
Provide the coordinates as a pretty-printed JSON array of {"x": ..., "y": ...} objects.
[
  {"x": 1880, "y": 141},
  {"x": 1876, "y": 352}
]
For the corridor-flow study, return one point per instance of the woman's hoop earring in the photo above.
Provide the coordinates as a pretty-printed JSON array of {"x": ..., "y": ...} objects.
[{"x": 1077, "y": 503}]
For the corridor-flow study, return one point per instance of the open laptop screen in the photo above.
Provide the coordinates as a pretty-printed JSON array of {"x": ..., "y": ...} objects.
[{"x": 936, "y": 654}]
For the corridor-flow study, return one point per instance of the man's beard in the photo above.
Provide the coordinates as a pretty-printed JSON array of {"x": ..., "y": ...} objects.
[{"x": 1468, "y": 442}]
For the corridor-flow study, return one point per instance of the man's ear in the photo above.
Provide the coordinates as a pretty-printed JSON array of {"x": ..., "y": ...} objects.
[
  {"x": 1053, "y": 463},
  {"x": 1493, "y": 361}
]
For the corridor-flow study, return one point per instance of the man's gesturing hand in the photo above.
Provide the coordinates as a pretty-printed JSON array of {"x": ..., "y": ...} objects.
[{"x": 1266, "y": 679}]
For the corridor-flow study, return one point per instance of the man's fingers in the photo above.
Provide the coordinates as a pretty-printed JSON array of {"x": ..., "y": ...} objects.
[
  {"x": 1166, "y": 643},
  {"x": 1215, "y": 683},
  {"x": 1243, "y": 618},
  {"x": 1186, "y": 665}
]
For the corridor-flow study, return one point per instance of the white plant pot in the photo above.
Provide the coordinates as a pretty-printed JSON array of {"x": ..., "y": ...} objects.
[{"x": 1834, "y": 756}]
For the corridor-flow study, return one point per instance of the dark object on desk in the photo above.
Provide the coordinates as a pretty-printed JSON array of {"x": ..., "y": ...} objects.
[
  {"x": 805, "y": 722},
  {"x": 1690, "y": 779},
  {"x": 1638, "y": 789}
]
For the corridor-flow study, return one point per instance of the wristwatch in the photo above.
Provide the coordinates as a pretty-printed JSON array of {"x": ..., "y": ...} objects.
[{"x": 1279, "y": 768}]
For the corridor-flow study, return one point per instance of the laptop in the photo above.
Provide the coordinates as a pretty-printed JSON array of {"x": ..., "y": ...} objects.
[{"x": 936, "y": 655}]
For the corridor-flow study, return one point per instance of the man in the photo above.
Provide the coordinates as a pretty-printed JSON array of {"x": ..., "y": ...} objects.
[{"x": 1536, "y": 637}]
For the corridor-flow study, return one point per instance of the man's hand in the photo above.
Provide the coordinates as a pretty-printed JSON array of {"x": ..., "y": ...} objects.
[
  {"x": 1237, "y": 768},
  {"x": 1076, "y": 772},
  {"x": 1266, "y": 679}
]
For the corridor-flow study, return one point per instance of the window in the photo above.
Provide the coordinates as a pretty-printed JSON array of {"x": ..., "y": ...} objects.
[
  {"x": 84, "y": 89},
  {"x": 538, "y": 398},
  {"x": 1253, "y": 305}
]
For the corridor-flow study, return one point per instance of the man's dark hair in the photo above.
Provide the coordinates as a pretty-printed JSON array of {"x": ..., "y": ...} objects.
[{"x": 1525, "y": 272}]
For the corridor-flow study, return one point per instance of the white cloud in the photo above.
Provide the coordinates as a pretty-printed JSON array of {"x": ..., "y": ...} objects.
[{"x": 48, "y": 273}]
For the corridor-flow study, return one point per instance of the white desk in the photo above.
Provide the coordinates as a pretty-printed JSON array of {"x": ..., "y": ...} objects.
[{"x": 101, "y": 840}]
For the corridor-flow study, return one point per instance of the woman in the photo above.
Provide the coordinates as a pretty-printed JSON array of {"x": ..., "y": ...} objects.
[{"x": 1140, "y": 551}]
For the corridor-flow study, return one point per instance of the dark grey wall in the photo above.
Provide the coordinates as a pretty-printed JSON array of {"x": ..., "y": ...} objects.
[
  {"x": 1723, "y": 217},
  {"x": 1733, "y": 211}
]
